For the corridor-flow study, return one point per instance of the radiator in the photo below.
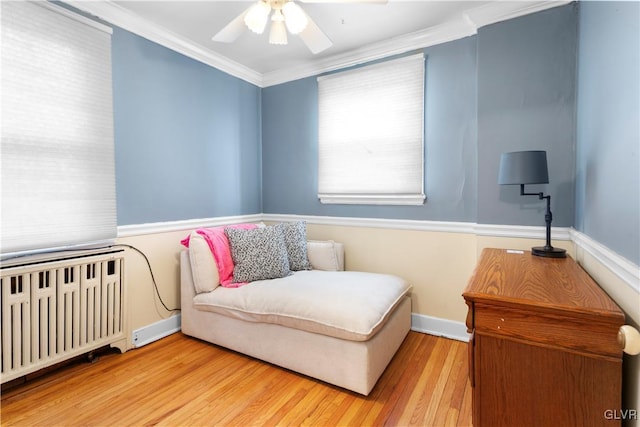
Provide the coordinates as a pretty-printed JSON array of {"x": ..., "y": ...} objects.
[{"x": 58, "y": 309}]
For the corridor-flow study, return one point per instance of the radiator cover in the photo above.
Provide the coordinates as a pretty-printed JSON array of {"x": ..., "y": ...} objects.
[{"x": 58, "y": 309}]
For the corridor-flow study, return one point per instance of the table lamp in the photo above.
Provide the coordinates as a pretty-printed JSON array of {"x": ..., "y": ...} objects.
[{"x": 530, "y": 167}]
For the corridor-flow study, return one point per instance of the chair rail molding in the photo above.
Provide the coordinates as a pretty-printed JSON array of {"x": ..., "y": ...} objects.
[
  {"x": 620, "y": 266},
  {"x": 189, "y": 224},
  {"x": 626, "y": 270}
]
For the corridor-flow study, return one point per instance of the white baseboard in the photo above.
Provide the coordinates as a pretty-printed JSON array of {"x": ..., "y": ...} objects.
[
  {"x": 419, "y": 323},
  {"x": 439, "y": 327},
  {"x": 156, "y": 331}
]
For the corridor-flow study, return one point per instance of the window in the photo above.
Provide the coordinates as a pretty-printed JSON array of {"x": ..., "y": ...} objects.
[
  {"x": 371, "y": 134},
  {"x": 58, "y": 177}
]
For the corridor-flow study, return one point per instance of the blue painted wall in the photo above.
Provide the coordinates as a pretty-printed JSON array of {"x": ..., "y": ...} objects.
[
  {"x": 194, "y": 142},
  {"x": 511, "y": 87},
  {"x": 187, "y": 136},
  {"x": 526, "y": 101},
  {"x": 608, "y": 126},
  {"x": 290, "y": 135}
]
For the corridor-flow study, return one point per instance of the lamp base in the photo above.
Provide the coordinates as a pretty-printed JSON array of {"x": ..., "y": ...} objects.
[{"x": 549, "y": 252}]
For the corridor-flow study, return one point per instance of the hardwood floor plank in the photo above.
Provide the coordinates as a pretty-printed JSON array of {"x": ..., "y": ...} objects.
[
  {"x": 352, "y": 412},
  {"x": 331, "y": 403},
  {"x": 334, "y": 418},
  {"x": 305, "y": 407},
  {"x": 424, "y": 351},
  {"x": 416, "y": 409},
  {"x": 466, "y": 409},
  {"x": 223, "y": 398},
  {"x": 181, "y": 381},
  {"x": 276, "y": 395},
  {"x": 457, "y": 383},
  {"x": 392, "y": 384},
  {"x": 447, "y": 386},
  {"x": 275, "y": 419}
]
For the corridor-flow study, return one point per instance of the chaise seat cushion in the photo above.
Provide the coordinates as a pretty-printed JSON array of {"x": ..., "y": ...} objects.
[{"x": 346, "y": 304}]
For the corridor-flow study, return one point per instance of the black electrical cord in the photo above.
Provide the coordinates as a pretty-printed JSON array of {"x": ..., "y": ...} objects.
[{"x": 153, "y": 279}]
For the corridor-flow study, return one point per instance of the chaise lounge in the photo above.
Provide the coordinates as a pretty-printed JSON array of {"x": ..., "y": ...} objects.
[{"x": 341, "y": 327}]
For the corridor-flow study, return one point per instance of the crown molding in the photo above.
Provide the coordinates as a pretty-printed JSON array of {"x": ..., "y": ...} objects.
[
  {"x": 114, "y": 14},
  {"x": 494, "y": 12},
  {"x": 72, "y": 15},
  {"x": 449, "y": 31},
  {"x": 464, "y": 26}
]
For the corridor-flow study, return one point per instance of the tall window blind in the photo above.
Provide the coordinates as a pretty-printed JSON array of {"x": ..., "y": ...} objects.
[
  {"x": 56, "y": 147},
  {"x": 371, "y": 148}
]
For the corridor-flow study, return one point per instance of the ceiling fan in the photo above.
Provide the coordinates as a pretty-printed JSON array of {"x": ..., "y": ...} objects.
[{"x": 285, "y": 15}]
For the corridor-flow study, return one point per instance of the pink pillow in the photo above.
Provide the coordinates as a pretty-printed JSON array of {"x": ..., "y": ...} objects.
[{"x": 219, "y": 245}]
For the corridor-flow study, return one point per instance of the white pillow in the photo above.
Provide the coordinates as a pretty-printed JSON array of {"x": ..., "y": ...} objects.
[
  {"x": 203, "y": 267},
  {"x": 322, "y": 255}
]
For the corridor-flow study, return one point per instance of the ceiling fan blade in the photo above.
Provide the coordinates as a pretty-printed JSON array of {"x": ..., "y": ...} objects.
[
  {"x": 314, "y": 38},
  {"x": 232, "y": 30}
]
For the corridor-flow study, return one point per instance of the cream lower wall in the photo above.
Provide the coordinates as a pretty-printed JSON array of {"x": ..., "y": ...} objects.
[
  {"x": 625, "y": 296},
  {"x": 162, "y": 250},
  {"x": 437, "y": 264},
  {"x": 629, "y": 301}
]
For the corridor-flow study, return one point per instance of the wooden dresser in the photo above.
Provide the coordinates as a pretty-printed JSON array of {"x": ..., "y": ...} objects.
[{"x": 544, "y": 349}]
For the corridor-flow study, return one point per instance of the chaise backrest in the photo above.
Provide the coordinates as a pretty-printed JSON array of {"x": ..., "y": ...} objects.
[{"x": 323, "y": 255}]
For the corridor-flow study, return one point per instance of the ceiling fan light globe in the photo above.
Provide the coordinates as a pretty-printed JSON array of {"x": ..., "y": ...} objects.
[
  {"x": 257, "y": 16},
  {"x": 295, "y": 18},
  {"x": 278, "y": 33}
]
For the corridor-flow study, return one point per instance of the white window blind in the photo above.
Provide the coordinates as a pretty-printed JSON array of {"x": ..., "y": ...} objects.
[
  {"x": 57, "y": 150},
  {"x": 371, "y": 132}
]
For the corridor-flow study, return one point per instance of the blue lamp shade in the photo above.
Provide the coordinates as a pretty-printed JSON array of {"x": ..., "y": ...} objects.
[
  {"x": 530, "y": 167},
  {"x": 523, "y": 167}
]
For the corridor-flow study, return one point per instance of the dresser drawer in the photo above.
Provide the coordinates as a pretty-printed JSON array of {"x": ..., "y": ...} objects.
[
  {"x": 544, "y": 348},
  {"x": 554, "y": 329}
]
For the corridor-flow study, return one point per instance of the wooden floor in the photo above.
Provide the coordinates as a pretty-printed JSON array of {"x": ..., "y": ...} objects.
[{"x": 180, "y": 381}]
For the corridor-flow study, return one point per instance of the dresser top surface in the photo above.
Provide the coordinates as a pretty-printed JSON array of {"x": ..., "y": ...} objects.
[{"x": 518, "y": 277}]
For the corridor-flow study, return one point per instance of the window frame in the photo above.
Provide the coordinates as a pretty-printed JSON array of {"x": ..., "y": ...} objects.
[{"x": 415, "y": 197}]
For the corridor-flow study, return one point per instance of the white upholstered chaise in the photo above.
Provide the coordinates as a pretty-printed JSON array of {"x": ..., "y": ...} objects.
[{"x": 339, "y": 327}]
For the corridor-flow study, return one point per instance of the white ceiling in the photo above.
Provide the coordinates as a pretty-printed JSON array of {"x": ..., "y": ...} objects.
[{"x": 360, "y": 31}]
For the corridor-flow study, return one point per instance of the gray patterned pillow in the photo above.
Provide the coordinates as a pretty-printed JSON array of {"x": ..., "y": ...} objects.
[
  {"x": 258, "y": 254},
  {"x": 295, "y": 237}
]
